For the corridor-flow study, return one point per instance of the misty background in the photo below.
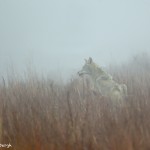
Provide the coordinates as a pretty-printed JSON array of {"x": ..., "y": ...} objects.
[{"x": 54, "y": 36}]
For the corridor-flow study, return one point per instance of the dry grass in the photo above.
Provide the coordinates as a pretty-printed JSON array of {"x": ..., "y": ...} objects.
[{"x": 38, "y": 114}]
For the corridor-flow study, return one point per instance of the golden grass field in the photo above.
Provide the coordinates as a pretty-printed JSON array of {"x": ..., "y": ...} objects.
[{"x": 40, "y": 114}]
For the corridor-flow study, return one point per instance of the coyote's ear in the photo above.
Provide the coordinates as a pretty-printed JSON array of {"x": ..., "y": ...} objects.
[{"x": 90, "y": 60}]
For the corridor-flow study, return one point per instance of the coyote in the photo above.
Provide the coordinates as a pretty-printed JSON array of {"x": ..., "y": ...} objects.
[{"x": 102, "y": 81}]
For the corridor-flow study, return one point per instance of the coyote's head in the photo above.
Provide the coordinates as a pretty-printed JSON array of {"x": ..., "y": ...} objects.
[{"x": 89, "y": 68}]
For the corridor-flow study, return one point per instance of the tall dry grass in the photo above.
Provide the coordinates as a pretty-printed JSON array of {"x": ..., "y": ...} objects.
[{"x": 38, "y": 114}]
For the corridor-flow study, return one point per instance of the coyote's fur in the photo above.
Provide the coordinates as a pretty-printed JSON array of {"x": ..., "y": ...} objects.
[{"x": 102, "y": 81}]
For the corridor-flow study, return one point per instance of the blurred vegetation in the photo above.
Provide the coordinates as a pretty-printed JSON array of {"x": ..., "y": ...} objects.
[{"x": 39, "y": 114}]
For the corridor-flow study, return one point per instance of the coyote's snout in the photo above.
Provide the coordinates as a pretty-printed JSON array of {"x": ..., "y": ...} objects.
[{"x": 102, "y": 81}]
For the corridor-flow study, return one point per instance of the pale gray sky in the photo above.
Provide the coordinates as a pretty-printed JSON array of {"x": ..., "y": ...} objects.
[{"x": 56, "y": 35}]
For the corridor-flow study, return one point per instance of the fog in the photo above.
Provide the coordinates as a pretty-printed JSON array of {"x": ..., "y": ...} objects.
[{"x": 54, "y": 36}]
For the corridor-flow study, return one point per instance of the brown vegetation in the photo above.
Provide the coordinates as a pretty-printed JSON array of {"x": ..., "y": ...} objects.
[{"x": 38, "y": 114}]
